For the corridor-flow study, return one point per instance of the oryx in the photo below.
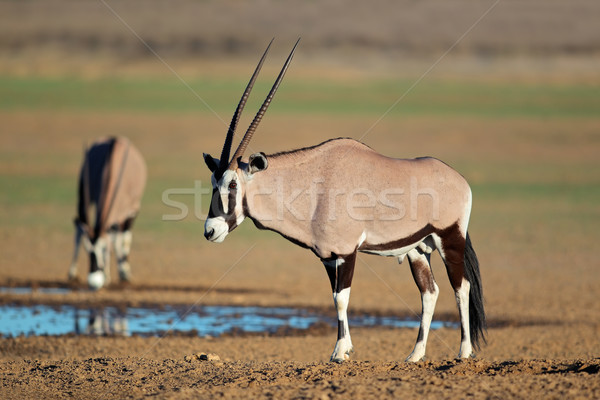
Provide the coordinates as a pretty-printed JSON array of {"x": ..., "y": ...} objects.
[
  {"x": 341, "y": 197},
  {"x": 111, "y": 181}
]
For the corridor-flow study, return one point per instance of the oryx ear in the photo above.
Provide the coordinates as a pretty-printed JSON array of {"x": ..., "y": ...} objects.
[
  {"x": 257, "y": 162},
  {"x": 211, "y": 163}
]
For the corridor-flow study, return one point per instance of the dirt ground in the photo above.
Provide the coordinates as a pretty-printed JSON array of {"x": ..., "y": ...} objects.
[
  {"x": 540, "y": 288},
  {"x": 548, "y": 360},
  {"x": 549, "y": 357},
  {"x": 260, "y": 367}
]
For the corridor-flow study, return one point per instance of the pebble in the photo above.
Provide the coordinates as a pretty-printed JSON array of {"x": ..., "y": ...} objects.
[
  {"x": 202, "y": 357},
  {"x": 208, "y": 357}
]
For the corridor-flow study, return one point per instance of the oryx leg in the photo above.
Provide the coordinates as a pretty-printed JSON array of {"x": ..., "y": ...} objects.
[
  {"x": 452, "y": 250},
  {"x": 107, "y": 260},
  {"x": 340, "y": 271},
  {"x": 122, "y": 246},
  {"x": 73, "y": 267},
  {"x": 423, "y": 276}
]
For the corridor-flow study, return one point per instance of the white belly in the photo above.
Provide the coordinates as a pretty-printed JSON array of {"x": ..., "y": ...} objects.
[{"x": 426, "y": 245}]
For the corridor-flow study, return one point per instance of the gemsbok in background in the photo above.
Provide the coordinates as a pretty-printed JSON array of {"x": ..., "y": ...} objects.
[
  {"x": 111, "y": 183},
  {"x": 341, "y": 197}
]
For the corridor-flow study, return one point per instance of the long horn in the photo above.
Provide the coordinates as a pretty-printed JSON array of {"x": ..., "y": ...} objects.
[
  {"x": 236, "y": 115},
  {"x": 244, "y": 143}
]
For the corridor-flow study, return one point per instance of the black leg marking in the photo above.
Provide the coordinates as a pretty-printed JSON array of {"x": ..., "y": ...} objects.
[
  {"x": 127, "y": 224},
  {"x": 420, "y": 335},
  {"x": 422, "y": 274},
  {"x": 340, "y": 274},
  {"x": 453, "y": 246},
  {"x": 341, "y": 330},
  {"x": 340, "y": 271}
]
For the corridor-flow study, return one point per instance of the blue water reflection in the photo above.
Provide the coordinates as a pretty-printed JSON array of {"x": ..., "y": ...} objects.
[{"x": 201, "y": 320}]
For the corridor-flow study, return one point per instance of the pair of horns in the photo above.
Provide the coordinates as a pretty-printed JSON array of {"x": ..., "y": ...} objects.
[{"x": 224, "y": 160}]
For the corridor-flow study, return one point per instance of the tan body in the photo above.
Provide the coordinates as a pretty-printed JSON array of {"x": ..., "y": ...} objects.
[
  {"x": 353, "y": 197},
  {"x": 128, "y": 192}
]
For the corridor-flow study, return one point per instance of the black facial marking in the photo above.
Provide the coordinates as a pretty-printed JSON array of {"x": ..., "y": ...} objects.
[
  {"x": 216, "y": 206},
  {"x": 231, "y": 218}
]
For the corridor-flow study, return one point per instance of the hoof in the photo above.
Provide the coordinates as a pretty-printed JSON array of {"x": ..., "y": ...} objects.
[{"x": 344, "y": 357}]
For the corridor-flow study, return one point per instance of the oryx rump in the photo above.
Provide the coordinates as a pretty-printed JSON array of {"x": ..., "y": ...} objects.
[
  {"x": 341, "y": 197},
  {"x": 111, "y": 183}
]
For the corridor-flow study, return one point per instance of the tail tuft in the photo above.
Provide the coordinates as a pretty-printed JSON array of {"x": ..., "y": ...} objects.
[{"x": 477, "y": 322}]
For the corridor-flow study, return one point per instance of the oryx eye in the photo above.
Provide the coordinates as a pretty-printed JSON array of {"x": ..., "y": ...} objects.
[{"x": 233, "y": 185}]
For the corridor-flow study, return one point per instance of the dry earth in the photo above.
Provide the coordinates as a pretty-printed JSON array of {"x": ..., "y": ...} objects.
[
  {"x": 295, "y": 367},
  {"x": 541, "y": 290}
]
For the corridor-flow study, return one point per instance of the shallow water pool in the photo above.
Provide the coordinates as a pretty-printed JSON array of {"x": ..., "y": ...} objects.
[{"x": 198, "y": 320}]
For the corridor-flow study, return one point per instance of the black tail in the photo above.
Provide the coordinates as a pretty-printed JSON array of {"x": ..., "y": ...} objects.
[{"x": 477, "y": 323}]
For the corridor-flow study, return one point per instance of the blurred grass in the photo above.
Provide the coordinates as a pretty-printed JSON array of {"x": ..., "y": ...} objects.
[{"x": 360, "y": 97}]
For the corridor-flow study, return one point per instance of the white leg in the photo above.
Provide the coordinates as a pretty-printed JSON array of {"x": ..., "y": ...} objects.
[
  {"x": 452, "y": 254},
  {"x": 462, "y": 300},
  {"x": 343, "y": 346},
  {"x": 428, "y": 300},
  {"x": 73, "y": 267},
  {"x": 122, "y": 244},
  {"x": 423, "y": 276},
  {"x": 340, "y": 272},
  {"x": 107, "y": 259}
]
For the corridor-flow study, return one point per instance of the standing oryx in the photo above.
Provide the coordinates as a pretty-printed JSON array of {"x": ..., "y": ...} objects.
[
  {"x": 341, "y": 197},
  {"x": 112, "y": 180}
]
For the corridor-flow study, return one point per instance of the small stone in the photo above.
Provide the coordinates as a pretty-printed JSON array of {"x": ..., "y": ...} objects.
[{"x": 208, "y": 357}]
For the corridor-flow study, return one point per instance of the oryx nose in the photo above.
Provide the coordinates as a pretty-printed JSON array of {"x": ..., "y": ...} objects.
[{"x": 208, "y": 234}]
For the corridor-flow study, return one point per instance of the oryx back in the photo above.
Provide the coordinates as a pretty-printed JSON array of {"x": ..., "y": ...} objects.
[{"x": 341, "y": 194}]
